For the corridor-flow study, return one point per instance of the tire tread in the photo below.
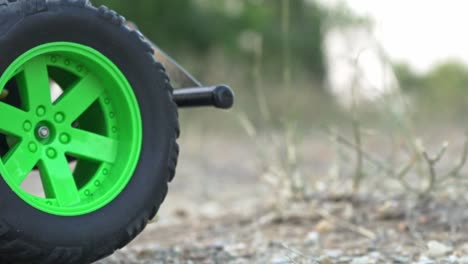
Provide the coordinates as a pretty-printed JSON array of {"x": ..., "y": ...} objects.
[{"x": 26, "y": 252}]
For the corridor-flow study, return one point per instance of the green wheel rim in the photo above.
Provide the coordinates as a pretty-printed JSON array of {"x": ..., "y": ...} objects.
[{"x": 95, "y": 121}]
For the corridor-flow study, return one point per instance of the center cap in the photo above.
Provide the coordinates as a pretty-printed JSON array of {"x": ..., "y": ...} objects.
[{"x": 43, "y": 132}]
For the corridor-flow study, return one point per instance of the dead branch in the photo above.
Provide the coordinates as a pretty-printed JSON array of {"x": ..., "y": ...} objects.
[
  {"x": 347, "y": 225},
  {"x": 455, "y": 172},
  {"x": 431, "y": 163},
  {"x": 346, "y": 142},
  {"x": 297, "y": 253},
  {"x": 401, "y": 176},
  {"x": 359, "y": 173}
]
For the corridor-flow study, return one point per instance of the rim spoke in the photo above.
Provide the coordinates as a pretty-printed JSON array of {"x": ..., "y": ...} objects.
[
  {"x": 92, "y": 146},
  {"x": 34, "y": 84},
  {"x": 12, "y": 120},
  {"x": 20, "y": 162},
  {"x": 57, "y": 180},
  {"x": 80, "y": 97}
]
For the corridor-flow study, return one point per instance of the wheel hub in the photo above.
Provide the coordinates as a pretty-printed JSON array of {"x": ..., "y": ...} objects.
[{"x": 82, "y": 124}]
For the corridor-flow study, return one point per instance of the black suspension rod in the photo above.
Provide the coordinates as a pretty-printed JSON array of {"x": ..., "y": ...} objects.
[{"x": 220, "y": 96}]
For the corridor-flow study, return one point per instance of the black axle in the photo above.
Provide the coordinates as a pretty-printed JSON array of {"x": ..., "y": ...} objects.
[
  {"x": 218, "y": 96},
  {"x": 197, "y": 95}
]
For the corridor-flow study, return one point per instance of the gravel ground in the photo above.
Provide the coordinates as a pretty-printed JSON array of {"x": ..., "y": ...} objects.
[
  {"x": 331, "y": 232},
  {"x": 220, "y": 211}
]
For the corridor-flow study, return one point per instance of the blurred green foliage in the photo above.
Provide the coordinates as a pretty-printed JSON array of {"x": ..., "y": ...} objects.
[
  {"x": 198, "y": 26},
  {"x": 445, "y": 82}
]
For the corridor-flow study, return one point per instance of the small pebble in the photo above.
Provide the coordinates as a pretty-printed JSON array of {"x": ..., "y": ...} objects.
[
  {"x": 324, "y": 226},
  {"x": 280, "y": 260},
  {"x": 436, "y": 249},
  {"x": 375, "y": 255},
  {"x": 334, "y": 253},
  {"x": 361, "y": 260},
  {"x": 326, "y": 260},
  {"x": 312, "y": 238},
  {"x": 425, "y": 260},
  {"x": 400, "y": 259},
  {"x": 463, "y": 260},
  {"x": 453, "y": 259},
  {"x": 344, "y": 259}
]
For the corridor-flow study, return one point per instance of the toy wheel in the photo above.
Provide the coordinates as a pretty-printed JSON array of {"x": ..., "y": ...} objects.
[{"x": 87, "y": 112}]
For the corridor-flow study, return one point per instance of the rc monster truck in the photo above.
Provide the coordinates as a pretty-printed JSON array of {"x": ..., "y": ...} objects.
[{"x": 86, "y": 106}]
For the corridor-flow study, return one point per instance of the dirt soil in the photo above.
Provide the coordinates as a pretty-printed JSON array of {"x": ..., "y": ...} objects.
[{"x": 220, "y": 211}]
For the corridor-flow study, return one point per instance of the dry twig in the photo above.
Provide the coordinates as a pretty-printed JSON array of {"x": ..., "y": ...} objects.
[
  {"x": 431, "y": 163},
  {"x": 347, "y": 225},
  {"x": 455, "y": 172}
]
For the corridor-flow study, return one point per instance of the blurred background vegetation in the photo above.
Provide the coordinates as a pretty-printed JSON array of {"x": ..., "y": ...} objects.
[
  {"x": 281, "y": 57},
  {"x": 200, "y": 26},
  {"x": 272, "y": 53}
]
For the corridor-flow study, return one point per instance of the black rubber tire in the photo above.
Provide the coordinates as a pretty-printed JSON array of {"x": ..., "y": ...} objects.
[{"x": 30, "y": 236}]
